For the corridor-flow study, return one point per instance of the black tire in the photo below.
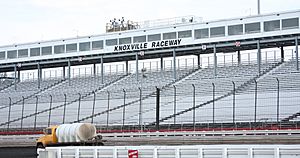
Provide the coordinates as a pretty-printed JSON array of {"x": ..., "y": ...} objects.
[{"x": 40, "y": 145}]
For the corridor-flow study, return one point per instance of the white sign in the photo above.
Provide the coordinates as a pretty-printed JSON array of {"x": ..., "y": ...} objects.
[{"x": 148, "y": 45}]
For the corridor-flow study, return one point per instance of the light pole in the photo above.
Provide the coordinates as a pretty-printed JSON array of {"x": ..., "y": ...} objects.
[{"x": 258, "y": 7}]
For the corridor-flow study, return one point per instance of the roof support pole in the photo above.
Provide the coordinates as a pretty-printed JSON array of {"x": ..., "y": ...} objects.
[
  {"x": 126, "y": 67},
  {"x": 282, "y": 53},
  {"x": 19, "y": 75},
  {"x": 258, "y": 56},
  {"x": 15, "y": 77},
  {"x": 94, "y": 69},
  {"x": 174, "y": 65},
  {"x": 102, "y": 70},
  {"x": 137, "y": 66},
  {"x": 215, "y": 61},
  {"x": 239, "y": 57},
  {"x": 161, "y": 63},
  {"x": 297, "y": 56},
  {"x": 198, "y": 60},
  {"x": 69, "y": 72},
  {"x": 39, "y": 75},
  {"x": 64, "y": 72}
]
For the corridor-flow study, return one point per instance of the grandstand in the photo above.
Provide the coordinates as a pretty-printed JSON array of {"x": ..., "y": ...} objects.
[{"x": 232, "y": 72}]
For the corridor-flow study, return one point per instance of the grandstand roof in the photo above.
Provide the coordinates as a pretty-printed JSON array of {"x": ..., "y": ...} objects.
[{"x": 272, "y": 30}]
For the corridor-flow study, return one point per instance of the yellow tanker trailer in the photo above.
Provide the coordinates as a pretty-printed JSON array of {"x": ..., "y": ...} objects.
[{"x": 70, "y": 135}]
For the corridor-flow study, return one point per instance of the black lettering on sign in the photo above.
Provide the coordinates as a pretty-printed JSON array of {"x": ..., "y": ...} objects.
[
  {"x": 179, "y": 40},
  {"x": 116, "y": 48},
  {"x": 139, "y": 46},
  {"x": 167, "y": 43},
  {"x": 153, "y": 44}
]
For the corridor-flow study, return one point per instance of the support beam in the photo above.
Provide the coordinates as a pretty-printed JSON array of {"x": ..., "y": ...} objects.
[
  {"x": 297, "y": 56},
  {"x": 64, "y": 72},
  {"x": 19, "y": 74},
  {"x": 15, "y": 78},
  {"x": 126, "y": 67},
  {"x": 69, "y": 72},
  {"x": 137, "y": 66},
  {"x": 282, "y": 54},
  {"x": 215, "y": 61},
  {"x": 102, "y": 70},
  {"x": 39, "y": 75},
  {"x": 161, "y": 63},
  {"x": 198, "y": 60},
  {"x": 94, "y": 69},
  {"x": 174, "y": 65},
  {"x": 258, "y": 56},
  {"x": 239, "y": 57}
]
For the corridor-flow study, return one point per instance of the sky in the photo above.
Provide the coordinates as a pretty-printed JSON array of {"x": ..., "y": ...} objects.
[{"x": 24, "y": 21}]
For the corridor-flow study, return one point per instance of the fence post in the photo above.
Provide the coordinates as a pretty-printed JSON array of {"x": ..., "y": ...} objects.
[
  {"x": 35, "y": 114},
  {"x": 277, "y": 99},
  {"x": 22, "y": 113},
  {"x": 79, "y": 102},
  {"x": 107, "y": 116},
  {"x": 9, "y": 111},
  {"x": 233, "y": 103},
  {"x": 194, "y": 109},
  {"x": 124, "y": 103},
  {"x": 175, "y": 108},
  {"x": 64, "y": 112},
  {"x": 255, "y": 101},
  {"x": 94, "y": 104},
  {"x": 213, "y": 102},
  {"x": 50, "y": 108}
]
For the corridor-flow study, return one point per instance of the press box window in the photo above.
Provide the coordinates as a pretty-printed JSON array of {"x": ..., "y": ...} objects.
[
  {"x": 155, "y": 37},
  {"x": 125, "y": 40},
  {"x": 12, "y": 54},
  {"x": 34, "y": 52},
  {"x": 201, "y": 33},
  {"x": 59, "y": 49},
  {"x": 139, "y": 39},
  {"x": 252, "y": 28},
  {"x": 235, "y": 30},
  {"x": 271, "y": 25},
  {"x": 84, "y": 46},
  {"x": 170, "y": 35},
  {"x": 2, "y": 55},
  {"x": 23, "y": 53},
  {"x": 47, "y": 50},
  {"x": 71, "y": 47},
  {"x": 217, "y": 31},
  {"x": 111, "y": 42},
  {"x": 290, "y": 23},
  {"x": 185, "y": 34},
  {"x": 97, "y": 45}
]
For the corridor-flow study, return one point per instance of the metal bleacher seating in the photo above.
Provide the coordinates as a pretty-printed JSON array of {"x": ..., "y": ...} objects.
[{"x": 80, "y": 92}]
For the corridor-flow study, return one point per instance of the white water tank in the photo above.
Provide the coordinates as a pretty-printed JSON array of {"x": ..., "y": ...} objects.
[{"x": 76, "y": 132}]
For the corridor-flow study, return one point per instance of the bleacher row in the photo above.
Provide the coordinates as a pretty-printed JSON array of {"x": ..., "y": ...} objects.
[{"x": 109, "y": 101}]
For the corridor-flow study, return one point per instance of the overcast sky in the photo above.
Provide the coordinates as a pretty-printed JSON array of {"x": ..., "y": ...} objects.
[{"x": 25, "y": 21}]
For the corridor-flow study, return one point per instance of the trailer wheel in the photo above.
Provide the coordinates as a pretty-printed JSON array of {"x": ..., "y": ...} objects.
[
  {"x": 100, "y": 144},
  {"x": 40, "y": 145}
]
